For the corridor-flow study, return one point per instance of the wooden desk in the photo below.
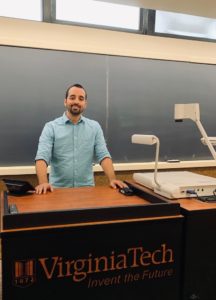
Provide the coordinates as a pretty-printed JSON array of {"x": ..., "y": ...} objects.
[
  {"x": 199, "y": 277},
  {"x": 108, "y": 246},
  {"x": 199, "y": 248},
  {"x": 83, "y": 205}
]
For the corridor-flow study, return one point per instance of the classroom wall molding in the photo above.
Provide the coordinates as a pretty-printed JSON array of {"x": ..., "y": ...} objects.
[{"x": 34, "y": 34}]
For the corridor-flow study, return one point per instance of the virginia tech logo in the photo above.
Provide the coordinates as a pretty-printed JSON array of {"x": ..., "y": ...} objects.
[
  {"x": 149, "y": 264},
  {"x": 24, "y": 272}
]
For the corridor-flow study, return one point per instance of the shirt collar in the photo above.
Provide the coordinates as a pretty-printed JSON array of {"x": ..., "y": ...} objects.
[{"x": 67, "y": 120}]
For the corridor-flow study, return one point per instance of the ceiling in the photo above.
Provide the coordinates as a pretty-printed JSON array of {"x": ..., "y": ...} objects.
[{"x": 204, "y": 8}]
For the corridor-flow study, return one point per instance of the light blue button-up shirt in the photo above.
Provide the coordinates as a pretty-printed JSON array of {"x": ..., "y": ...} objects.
[{"x": 70, "y": 150}]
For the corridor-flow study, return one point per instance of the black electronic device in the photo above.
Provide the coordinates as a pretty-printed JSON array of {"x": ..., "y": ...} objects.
[
  {"x": 13, "y": 209},
  {"x": 18, "y": 187},
  {"x": 209, "y": 199},
  {"x": 127, "y": 191}
]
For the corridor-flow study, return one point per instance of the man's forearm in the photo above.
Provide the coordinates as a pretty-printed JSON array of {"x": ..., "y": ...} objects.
[
  {"x": 41, "y": 170},
  {"x": 108, "y": 168}
]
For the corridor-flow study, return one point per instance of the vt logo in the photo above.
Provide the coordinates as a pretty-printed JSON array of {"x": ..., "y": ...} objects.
[{"x": 24, "y": 272}]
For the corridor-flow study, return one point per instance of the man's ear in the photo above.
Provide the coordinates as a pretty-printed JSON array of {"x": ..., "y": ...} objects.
[{"x": 65, "y": 102}]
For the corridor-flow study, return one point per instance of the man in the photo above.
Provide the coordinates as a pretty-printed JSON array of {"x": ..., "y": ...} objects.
[{"x": 69, "y": 144}]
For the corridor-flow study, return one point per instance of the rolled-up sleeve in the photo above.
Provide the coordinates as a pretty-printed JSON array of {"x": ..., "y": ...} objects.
[
  {"x": 101, "y": 150},
  {"x": 45, "y": 144}
]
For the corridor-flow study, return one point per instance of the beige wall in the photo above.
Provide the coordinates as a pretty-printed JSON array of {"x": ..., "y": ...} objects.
[{"x": 26, "y": 33}]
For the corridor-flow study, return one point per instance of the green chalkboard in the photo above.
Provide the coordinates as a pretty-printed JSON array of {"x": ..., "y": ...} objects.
[{"x": 125, "y": 95}]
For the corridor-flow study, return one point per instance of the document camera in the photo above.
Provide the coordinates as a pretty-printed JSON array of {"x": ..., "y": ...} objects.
[{"x": 178, "y": 184}]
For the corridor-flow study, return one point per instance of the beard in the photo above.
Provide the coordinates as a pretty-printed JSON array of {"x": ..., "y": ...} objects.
[{"x": 75, "y": 110}]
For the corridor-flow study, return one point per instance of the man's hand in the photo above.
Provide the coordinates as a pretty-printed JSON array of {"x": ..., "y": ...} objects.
[
  {"x": 114, "y": 183},
  {"x": 43, "y": 188},
  {"x": 108, "y": 168}
]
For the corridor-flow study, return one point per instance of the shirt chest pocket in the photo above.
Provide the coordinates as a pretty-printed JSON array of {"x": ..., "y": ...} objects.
[
  {"x": 63, "y": 143},
  {"x": 86, "y": 141}
]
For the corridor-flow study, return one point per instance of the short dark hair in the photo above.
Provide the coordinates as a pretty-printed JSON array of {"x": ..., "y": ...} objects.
[{"x": 76, "y": 85}]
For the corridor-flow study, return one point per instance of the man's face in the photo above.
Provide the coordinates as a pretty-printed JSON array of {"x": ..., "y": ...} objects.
[{"x": 76, "y": 101}]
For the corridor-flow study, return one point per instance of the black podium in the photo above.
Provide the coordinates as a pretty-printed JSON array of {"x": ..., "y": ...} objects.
[{"x": 90, "y": 242}]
